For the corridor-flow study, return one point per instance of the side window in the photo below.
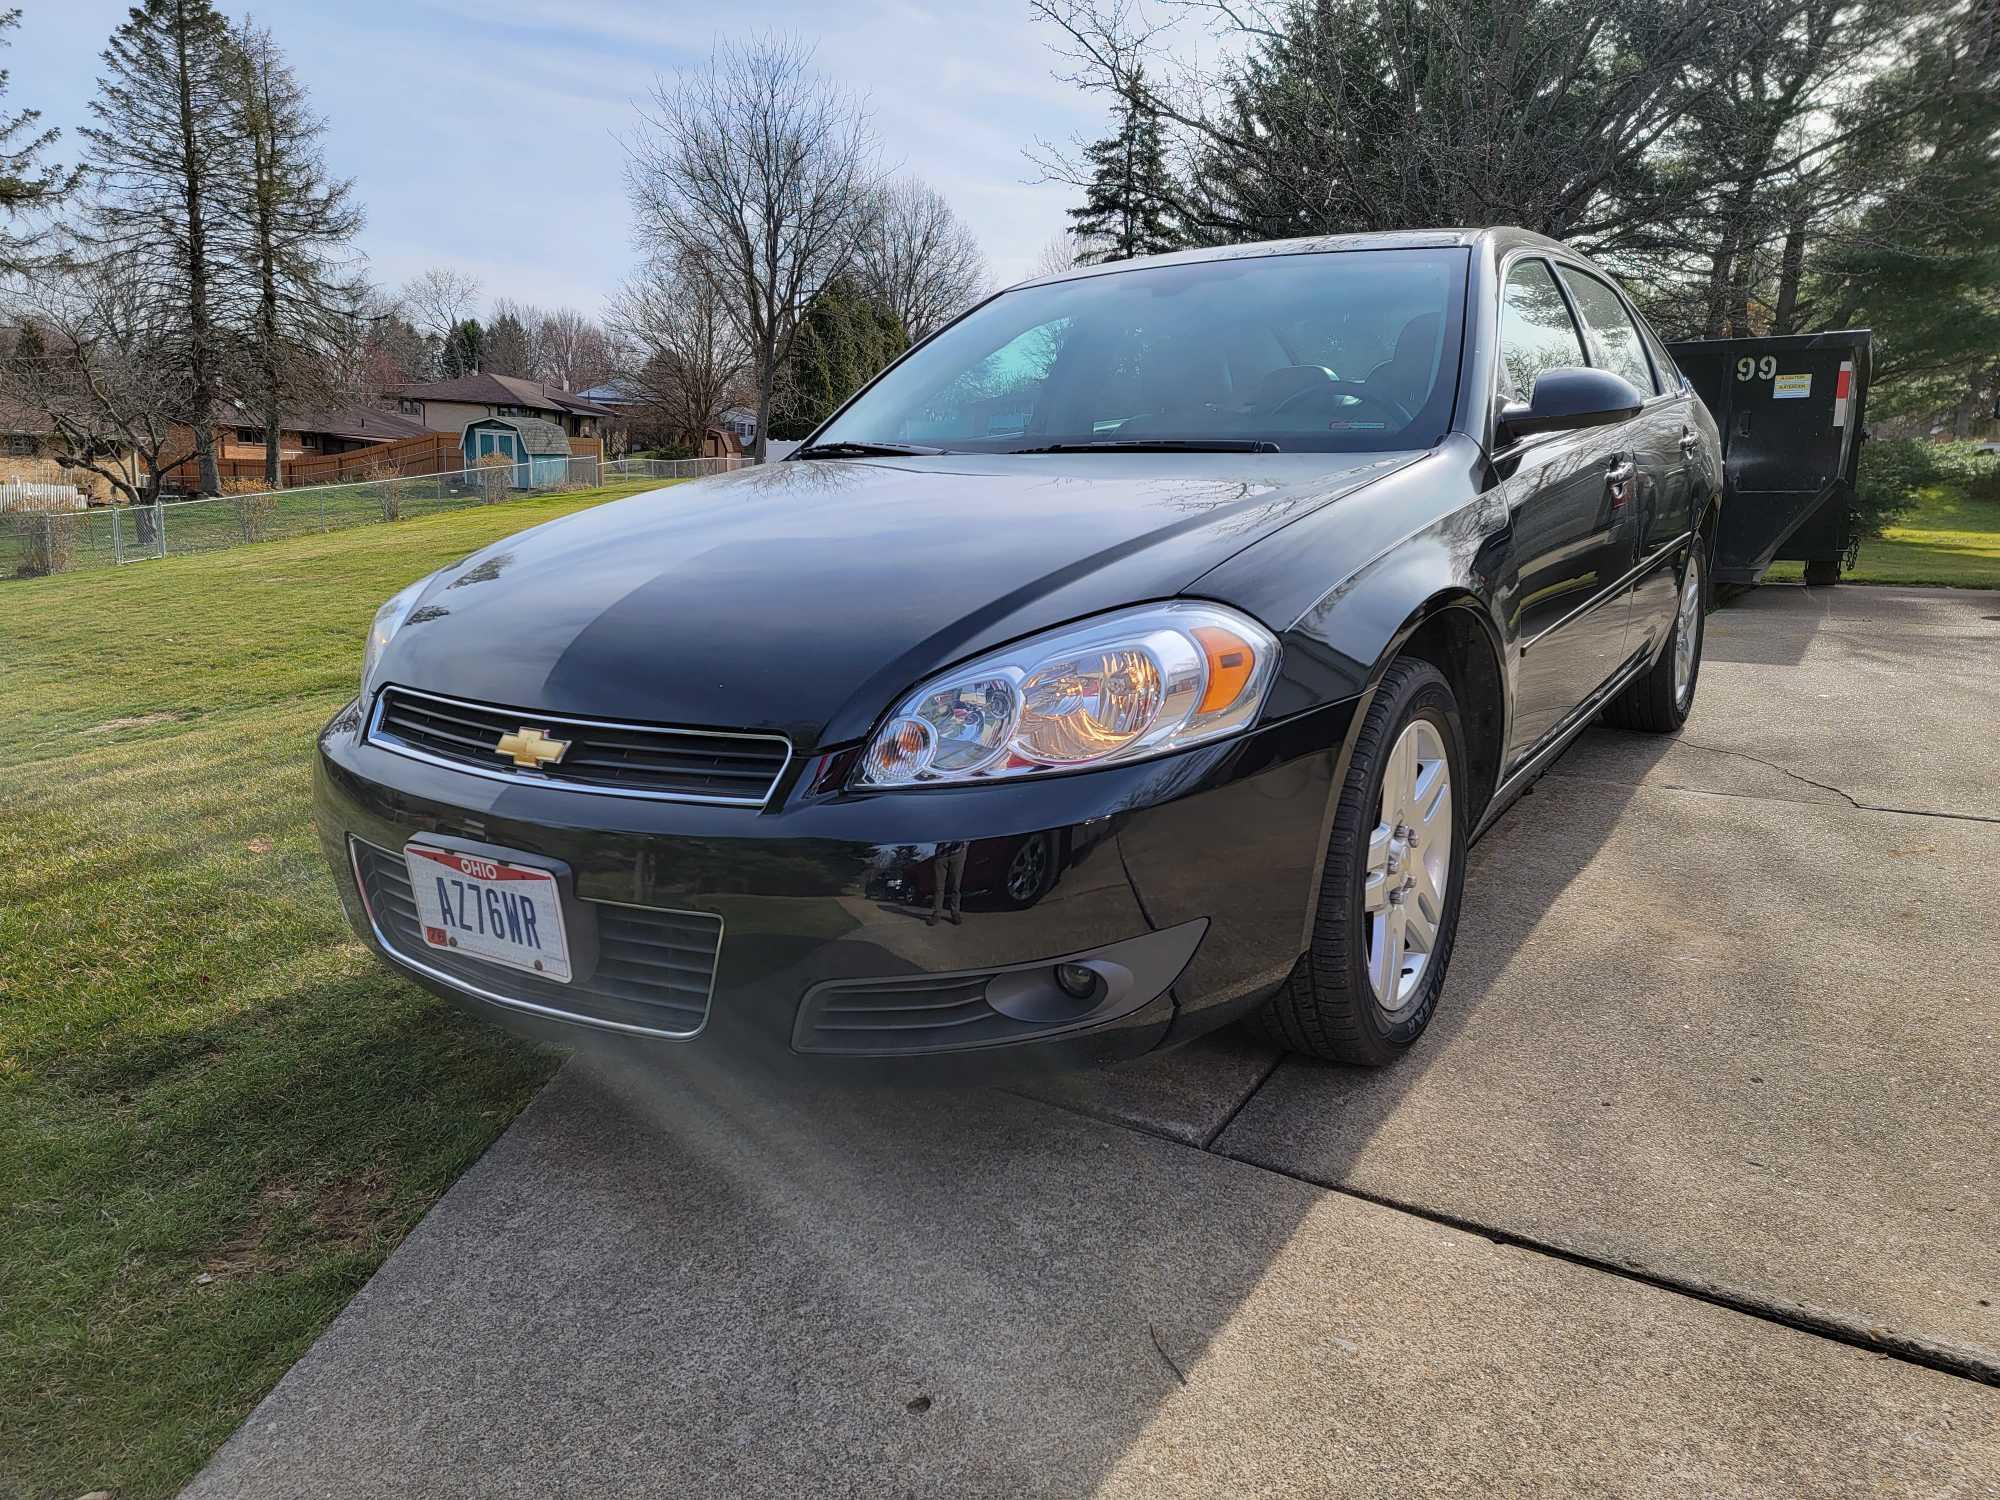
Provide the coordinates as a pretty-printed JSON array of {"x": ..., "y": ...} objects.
[
  {"x": 1536, "y": 331},
  {"x": 1663, "y": 362},
  {"x": 1614, "y": 341}
]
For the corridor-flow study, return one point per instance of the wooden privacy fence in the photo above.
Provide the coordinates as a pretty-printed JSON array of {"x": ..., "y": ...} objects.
[{"x": 426, "y": 453}]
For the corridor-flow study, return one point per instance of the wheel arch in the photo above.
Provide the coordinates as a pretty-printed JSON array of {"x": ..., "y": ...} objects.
[{"x": 1453, "y": 631}]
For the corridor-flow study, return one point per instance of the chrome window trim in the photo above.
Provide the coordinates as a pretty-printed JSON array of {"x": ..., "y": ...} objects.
[
  {"x": 381, "y": 738},
  {"x": 551, "y": 1012}
]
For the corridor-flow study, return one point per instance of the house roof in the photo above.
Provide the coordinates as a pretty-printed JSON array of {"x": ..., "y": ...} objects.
[
  {"x": 614, "y": 393},
  {"x": 502, "y": 390},
  {"x": 536, "y": 435},
  {"x": 366, "y": 424}
]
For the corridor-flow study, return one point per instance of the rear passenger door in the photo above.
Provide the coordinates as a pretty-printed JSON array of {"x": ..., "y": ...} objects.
[
  {"x": 1655, "y": 436},
  {"x": 1575, "y": 537}
]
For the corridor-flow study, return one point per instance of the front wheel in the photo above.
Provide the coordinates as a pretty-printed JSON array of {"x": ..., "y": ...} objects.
[
  {"x": 1389, "y": 898},
  {"x": 1659, "y": 701}
]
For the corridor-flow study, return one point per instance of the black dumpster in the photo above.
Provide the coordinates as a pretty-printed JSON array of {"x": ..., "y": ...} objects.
[{"x": 1790, "y": 410}]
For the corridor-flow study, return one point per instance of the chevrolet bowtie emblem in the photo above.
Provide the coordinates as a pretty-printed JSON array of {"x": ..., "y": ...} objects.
[{"x": 531, "y": 748}]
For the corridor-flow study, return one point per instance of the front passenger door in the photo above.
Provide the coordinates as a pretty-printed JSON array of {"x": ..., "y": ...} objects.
[
  {"x": 1656, "y": 438},
  {"x": 1570, "y": 496}
]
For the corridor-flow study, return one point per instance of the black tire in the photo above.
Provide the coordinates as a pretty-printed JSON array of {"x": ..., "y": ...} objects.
[
  {"x": 1823, "y": 573},
  {"x": 1328, "y": 1007},
  {"x": 1654, "y": 703}
]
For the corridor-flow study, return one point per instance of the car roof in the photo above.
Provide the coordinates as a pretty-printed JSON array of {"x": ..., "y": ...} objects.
[{"x": 1500, "y": 238}]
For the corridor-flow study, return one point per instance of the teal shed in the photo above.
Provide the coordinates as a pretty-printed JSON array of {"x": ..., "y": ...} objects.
[{"x": 539, "y": 450}]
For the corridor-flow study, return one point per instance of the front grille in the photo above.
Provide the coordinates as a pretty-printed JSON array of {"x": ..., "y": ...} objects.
[
  {"x": 634, "y": 760},
  {"x": 655, "y": 968}
]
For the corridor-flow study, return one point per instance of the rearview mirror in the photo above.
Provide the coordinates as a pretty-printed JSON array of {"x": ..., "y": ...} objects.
[{"x": 1569, "y": 397}]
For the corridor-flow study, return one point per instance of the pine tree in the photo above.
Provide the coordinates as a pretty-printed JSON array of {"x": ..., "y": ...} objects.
[
  {"x": 1129, "y": 207},
  {"x": 462, "y": 349},
  {"x": 29, "y": 347},
  {"x": 505, "y": 347},
  {"x": 295, "y": 222},
  {"x": 164, "y": 154},
  {"x": 25, "y": 183},
  {"x": 846, "y": 336}
]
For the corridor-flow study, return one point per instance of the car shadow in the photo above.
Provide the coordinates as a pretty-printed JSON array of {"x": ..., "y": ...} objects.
[{"x": 924, "y": 1291}]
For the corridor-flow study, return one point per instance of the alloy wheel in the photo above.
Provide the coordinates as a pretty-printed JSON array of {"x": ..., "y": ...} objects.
[
  {"x": 1027, "y": 870},
  {"x": 1687, "y": 632},
  {"x": 1409, "y": 867}
]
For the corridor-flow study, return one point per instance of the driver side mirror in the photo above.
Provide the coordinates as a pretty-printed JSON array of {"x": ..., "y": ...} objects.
[{"x": 1570, "y": 397}]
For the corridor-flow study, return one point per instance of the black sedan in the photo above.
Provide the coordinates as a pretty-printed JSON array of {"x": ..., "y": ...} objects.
[{"x": 1139, "y": 653}]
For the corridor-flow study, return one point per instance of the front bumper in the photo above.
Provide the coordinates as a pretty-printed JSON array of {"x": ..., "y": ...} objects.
[{"x": 1187, "y": 881}]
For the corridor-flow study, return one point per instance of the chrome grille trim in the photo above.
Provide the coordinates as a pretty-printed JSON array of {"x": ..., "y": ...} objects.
[
  {"x": 607, "y": 911},
  {"x": 717, "y": 744}
]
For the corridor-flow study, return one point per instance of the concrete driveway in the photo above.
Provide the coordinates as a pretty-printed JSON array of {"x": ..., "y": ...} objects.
[{"x": 1694, "y": 1188}]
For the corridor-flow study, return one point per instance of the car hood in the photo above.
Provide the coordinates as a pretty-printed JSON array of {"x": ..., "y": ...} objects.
[{"x": 803, "y": 597}]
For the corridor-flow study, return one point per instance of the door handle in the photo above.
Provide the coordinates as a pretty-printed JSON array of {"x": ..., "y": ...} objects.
[
  {"x": 1689, "y": 442},
  {"x": 1618, "y": 479}
]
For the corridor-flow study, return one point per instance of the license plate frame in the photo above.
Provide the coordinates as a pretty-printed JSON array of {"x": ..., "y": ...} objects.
[{"x": 487, "y": 906}]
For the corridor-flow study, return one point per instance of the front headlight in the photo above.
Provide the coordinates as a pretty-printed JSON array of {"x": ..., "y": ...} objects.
[
  {"x": 388, "y": 620},
  {"x": 1125, "y": 686}
]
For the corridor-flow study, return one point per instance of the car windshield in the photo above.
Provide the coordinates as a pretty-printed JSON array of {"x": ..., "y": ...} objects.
[{"x": 1348, "y": 351}]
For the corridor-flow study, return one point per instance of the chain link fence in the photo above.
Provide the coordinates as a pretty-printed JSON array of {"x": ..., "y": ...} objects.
[
  {"x": 34, "y": 542},
  {"x": 616, "y": 470}
]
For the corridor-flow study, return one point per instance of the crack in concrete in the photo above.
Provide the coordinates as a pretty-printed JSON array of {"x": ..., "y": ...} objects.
[
  {"x": 1179, "y": 1374},
  {"x": 1846, "y": 796},
  {"x": 1838, "y": 1328}
]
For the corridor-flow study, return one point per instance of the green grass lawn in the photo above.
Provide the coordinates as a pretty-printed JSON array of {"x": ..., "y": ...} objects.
[
  {"x": 219, "y": 1114},
  {"x": 1945, "y": 539}
]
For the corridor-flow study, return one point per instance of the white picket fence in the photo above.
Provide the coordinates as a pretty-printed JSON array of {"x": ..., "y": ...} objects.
[{"x": 15, "y": 492}]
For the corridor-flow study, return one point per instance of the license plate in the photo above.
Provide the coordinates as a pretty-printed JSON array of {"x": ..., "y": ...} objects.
[{"x": 489, "y": 908}]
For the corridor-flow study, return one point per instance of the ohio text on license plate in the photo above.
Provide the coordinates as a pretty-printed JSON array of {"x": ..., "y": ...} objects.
[{"x": 488, "y": 908}]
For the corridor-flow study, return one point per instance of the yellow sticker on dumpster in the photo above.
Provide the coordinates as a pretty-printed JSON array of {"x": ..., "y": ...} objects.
[{"x": 1791, "y": 387}]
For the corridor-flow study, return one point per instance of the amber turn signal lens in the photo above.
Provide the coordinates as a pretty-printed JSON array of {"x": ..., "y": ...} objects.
[{"x": 1230, "y": 662}]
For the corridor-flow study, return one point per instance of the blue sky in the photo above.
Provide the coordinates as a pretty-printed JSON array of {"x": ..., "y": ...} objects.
[{"x": 436, "y": 106}]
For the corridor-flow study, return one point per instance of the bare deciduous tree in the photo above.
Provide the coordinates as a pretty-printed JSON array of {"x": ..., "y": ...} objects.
[
  {"x": 439, "y": 300},
  {"x": 571, "y": 350},
  {"x": 108, "y": 384},
  {"x": 920, "y": 259},
  {"x": 756, "y": 173},
  {"x": 1065, "y": 252},
  {"x": 681, "y": 353}
]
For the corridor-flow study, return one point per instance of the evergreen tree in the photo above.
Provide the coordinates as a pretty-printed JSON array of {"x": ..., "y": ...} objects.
[
  {"x": 25, "y": 183},
  {"x": 1129, "y": 205},
  {"x": 165, "y": 155},
  {"x": 844, "y": 339},
  {"x": 463, "y": 347},
  {"x": 505, "y": 347},
  {"x": 29, "y": 348},
  {"x": 295, "y": 222}
]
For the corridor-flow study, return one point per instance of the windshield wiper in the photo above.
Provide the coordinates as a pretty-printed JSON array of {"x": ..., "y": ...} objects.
[
  {"x": 1158, "y": 445},
  {"x": 866, "y": 450}
]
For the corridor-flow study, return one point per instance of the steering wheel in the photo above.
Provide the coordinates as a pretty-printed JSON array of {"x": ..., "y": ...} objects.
[{"x": 1363, "y": 393}]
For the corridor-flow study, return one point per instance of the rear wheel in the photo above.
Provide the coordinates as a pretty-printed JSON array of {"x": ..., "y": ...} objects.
[
  {"x": 1389, "y": 898},
  {"x": 1659, "y": 701}
]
